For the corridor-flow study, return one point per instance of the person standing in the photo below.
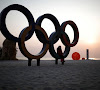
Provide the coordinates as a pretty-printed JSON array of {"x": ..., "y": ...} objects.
[{"x": 59, "y": 52}]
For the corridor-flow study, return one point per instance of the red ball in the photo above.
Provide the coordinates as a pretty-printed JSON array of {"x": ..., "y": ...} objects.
[
  {"x": 83, "y": 58},
  {"x": 75, "y": 56}
]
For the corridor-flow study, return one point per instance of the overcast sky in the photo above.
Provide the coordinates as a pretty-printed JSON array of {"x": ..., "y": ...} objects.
[{"x": 85, "y": 13}]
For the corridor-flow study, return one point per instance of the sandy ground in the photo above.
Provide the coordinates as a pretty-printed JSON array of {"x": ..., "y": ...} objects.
[{"x": 73, "y": 75}]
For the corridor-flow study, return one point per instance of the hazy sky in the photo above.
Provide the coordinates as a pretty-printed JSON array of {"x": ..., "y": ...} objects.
[{"x": 85, "y": 13}]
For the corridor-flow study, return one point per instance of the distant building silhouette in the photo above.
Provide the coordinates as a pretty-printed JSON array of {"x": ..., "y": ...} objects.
[{"x": 87, "y": 53}]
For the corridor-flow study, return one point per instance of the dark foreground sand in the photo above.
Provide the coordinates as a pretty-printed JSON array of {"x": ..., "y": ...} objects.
[{"x": 73, "y": 75}]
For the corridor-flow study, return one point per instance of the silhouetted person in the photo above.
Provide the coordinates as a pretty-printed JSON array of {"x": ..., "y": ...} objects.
[{"x": 59, "y": 52}]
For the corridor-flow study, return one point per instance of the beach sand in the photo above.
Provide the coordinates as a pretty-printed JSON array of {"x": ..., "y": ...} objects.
[{"x": 73, "y": 75}]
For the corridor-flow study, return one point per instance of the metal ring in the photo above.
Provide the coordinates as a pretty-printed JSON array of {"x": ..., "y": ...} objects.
[
  {"x": 76, "y": 32},
  {"x": 51, "y": 47},
  {"x": 53, "y": 19},
  {"x": 22, "y": 9},
  {"x": 22, "y": 44}
]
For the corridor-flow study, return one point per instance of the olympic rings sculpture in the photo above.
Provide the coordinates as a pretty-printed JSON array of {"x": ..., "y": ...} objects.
[{"x": 42, "y": 36}]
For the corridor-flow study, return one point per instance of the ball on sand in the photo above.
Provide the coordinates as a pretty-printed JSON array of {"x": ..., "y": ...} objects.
[{"x": 75, "y": 56}]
